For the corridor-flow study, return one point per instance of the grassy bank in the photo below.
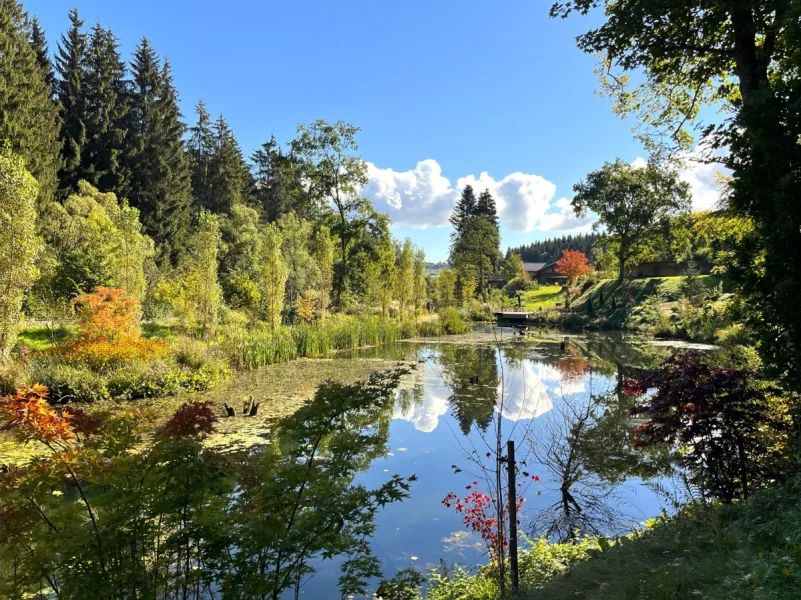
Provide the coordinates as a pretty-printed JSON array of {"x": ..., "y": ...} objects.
[
  {"x": 164, "y": 362},
  {"x": 746, "y": 550},
  {"x": 250, "y": 349}
]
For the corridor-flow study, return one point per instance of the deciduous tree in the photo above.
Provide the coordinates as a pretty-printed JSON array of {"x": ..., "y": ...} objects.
[
  {"x": 573, "y": 264},
  {"x": 630, "y": 202},
  {"x": 272, "y": 274},
  {"x": 18, "y": 243}
]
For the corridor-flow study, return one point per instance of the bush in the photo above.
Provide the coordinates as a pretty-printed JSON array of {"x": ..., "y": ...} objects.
[
  {"x": 520, "y": 284},
  {"x": 452, "y": 322},
  {"x": 69, "y": 383},
  {"x": 107, "y": 313},
  {"x": 476, "y": 311},
  {"x": 101, "y": 355}
]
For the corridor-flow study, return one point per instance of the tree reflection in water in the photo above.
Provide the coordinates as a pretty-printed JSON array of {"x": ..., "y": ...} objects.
[
  {"x": 110, "y": 514},
  {"x": 586, "y": 503}
]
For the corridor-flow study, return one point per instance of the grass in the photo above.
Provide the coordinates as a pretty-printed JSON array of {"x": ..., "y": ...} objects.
[
  {"x": 546, "y": 297},
  {"x": 746, "y": 550},
  {"x": 42, "y": 337},
  {"x": 667, "y": 287},
  {"x": 251, "y": 349}
]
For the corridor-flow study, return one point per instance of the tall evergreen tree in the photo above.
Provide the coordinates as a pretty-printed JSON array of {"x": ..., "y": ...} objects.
[
  {"x": 28, "y": 116},
  {"x": 71, "y": 66},
  {"x": 485, "y": 207},
  {"x": 105, "y": 97},
  {"x": 277, "y": 186},
  {"x": 159, "y": 184},
  {"x": 464, "y": 209},
  {"x": 229, "y": 172},
  {"x": 39, "y": 45},
  {"x": 200, "y": 150}
]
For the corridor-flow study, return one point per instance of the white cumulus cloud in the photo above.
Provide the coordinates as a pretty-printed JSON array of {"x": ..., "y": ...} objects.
[
  {"x": 522, "y": 199},
  {"x": 423, "y": 197},
  {"x": 562, "y": 218},
  {"x": 425, "y": 415}
]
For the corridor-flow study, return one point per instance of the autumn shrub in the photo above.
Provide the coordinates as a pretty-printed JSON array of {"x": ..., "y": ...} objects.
[
  {"x": 107, "y": 313},
  {"x": 728, "y": 428},
  {"x": 191, "y": 419},
  {"x": 103, "y": 354}
]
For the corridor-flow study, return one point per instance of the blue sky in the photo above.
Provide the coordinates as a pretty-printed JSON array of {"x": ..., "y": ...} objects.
[{"x": 469, "y": 87}]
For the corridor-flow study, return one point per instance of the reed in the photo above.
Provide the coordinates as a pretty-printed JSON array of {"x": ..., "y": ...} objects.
[{"x": 251, "y": 349}]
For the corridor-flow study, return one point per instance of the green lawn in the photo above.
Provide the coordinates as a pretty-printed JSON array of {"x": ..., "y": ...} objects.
[
  {"x": 42, "y": 337},
  {"x": 547, "y": 296},
  {"x": 640, "y": 289}
]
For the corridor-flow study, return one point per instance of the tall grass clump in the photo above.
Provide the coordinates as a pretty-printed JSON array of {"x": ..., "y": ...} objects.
[{"x": 250, "y": 349}]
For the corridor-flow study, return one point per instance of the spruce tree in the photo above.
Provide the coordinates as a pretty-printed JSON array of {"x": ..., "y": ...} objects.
[
  {"x": 28, "y": 117},
  {"x": 277, "y": 188},
  {"x": 105, "y": 95},
  {"x": 159, "y": 184},
  {"x": 71, "y": 66},
  {"x": 228, "y": 180},
  {"x": 464, "y": 209},
  {"x": 200, "y": 150},
  {"x": 485, "y": 207},
  {"x": 39, "y": 45}
]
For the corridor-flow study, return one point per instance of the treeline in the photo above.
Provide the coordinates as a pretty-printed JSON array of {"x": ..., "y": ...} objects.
[
  {"x": 551, "y": 249},
  {"x": 131, "y": 196}
]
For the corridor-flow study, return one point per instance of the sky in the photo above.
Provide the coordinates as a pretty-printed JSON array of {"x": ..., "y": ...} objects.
[{"x": 495, "y": 94}]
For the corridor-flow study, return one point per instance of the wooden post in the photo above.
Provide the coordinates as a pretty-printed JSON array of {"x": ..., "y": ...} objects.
[{"x": 510, "y": 466}]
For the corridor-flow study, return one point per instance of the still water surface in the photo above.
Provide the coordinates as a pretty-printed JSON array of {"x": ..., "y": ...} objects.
[{"x": 556, "y": 397}]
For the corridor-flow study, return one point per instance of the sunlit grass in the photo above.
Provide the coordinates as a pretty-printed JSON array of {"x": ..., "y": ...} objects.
[{"x": 547, "y": 296}]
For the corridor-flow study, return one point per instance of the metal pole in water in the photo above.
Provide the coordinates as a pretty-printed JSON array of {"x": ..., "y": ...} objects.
[{"x": 510, "y": 466}]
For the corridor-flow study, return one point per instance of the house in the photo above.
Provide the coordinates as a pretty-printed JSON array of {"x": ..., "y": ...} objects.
[
  {"x": 668, "y": 268},
  {"x": 544, "y": 273}
]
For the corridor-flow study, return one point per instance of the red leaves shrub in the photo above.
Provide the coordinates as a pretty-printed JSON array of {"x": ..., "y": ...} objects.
[
  {"x": 730, "y": 427},
  {"x": 107, "y": 313},
  {"x": 573, "y": 264},
  {"x": 28, "y": 413},
  {"x": 479, "y": 514},
  {"x": 193, "y": 418}
]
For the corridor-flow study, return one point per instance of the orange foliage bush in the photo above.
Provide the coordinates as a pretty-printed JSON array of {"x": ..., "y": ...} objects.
[
  {"x": 101, "y": 354},
  {"x": 573, "y": 264},
  {"x": 28, "y": 413},
  {"x": 107, "y": 313}
]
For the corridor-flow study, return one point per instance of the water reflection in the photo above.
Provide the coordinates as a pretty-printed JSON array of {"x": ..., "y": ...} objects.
[
  {"x": 114, "y": 513},
  {"x": 314, "y": 509}
]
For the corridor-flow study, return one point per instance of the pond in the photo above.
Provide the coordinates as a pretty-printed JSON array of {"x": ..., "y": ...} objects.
[
  {"x": 556, "y": 396},
  {"x": 342, "y": 474}
]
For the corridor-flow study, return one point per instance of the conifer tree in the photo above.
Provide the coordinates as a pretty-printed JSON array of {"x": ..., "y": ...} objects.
[
  {"x": 106, "y": 111},
  {"x": 72, "y": 70},
  {"x": 39, "y": 45},
  {"x": 277, "y": 186},
  {"x": 485, "y": 207},
  {"x": 200, "y": 150},
  {"x": 159, "y": 185},
  {"x": 228, "y": 173},
  {"x": 29, "y": 119},
  {"x": 464, "y": 209}
]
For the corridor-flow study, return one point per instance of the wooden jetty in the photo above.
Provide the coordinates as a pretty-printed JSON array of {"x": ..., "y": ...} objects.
[{"x": 512, "y": 316}]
